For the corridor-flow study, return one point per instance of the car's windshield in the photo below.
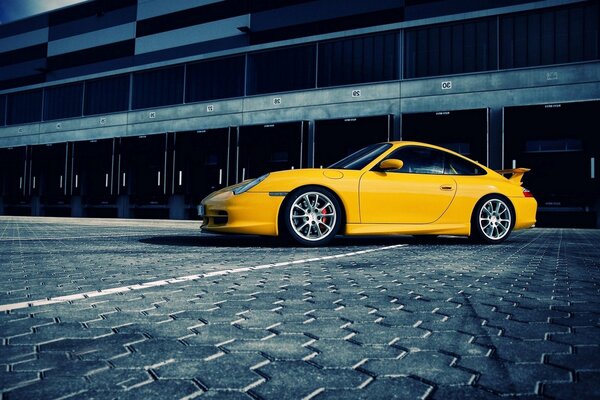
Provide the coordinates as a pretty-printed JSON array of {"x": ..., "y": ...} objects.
[{"x": 362, "y": 157}]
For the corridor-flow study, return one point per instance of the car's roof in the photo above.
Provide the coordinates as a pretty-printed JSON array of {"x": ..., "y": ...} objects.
[
  {"x": 433, "y": 146},
  {"x": 413, "y": 143},
  {"x": 410, "y": 142}
]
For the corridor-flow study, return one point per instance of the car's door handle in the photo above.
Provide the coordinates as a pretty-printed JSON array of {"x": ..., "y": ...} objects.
[{"x": 446, "y": 187}]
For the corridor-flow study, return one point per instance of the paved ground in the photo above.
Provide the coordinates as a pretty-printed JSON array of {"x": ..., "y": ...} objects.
[{"x": 234, "y": 317}]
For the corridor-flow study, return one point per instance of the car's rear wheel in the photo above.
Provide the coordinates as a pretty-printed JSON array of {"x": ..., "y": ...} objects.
[
  {"x": 312, "y": 216},
  {"x": 493, "y": 220}
]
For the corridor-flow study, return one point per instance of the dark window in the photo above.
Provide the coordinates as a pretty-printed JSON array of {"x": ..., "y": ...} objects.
[
  {"x": 561, "y": 38},
  {"x": 424, "y": 160},
  {"x": 2, "y": 110},
  {"x": 282, "y": 70},
  {"x": 451, "y": 49},
  {"x": 24, "y": 107},
  {"x": 553, "y": 146},
  {"x": 271, "y": 147},
  {"x": 107, "y": 95},
  {"x": 63, "y": 101},
  {"x": 157, "y": 88},
  {"x": 218, "y": 79},
  {"x": 552, "y": 36},
  {"x": 358, "y": 60}
]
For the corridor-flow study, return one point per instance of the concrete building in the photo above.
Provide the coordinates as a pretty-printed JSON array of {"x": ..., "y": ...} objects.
[{"x": 139, "y": 108}]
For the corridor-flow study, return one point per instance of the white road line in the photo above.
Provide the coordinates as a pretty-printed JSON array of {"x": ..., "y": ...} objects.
[
  {"x": 146, "y": 285},
  {"x": 39, "y": 239}
]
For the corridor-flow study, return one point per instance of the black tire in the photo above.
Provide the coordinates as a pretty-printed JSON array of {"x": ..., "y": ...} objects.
[
  {"x": 425, "y": 238},
  {"x": 311, "y": 216},
  {"x": 493, "y": 220}
]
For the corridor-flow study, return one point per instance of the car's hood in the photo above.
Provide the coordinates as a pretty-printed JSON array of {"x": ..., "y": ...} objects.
[
  {"x": 226, "y": 189},
  {"x": 288, "y": 180}
]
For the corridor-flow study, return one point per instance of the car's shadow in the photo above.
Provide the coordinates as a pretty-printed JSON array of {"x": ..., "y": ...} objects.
[{"x": 247, "y": 241}]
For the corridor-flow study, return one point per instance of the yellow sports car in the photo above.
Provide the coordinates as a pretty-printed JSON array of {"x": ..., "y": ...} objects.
[{"x": 384, "y": 189}]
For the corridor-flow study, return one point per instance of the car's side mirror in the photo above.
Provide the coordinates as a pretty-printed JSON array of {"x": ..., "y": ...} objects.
[{"x": 390, "y": 164}]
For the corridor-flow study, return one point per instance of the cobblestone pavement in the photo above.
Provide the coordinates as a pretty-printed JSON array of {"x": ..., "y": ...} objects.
[{"x": 191, "y": 315}]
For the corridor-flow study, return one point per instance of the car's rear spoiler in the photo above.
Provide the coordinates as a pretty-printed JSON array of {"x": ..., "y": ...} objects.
[{"x": 517, "y": 174}]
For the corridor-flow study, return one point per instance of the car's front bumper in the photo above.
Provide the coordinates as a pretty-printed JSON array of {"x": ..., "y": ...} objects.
[{"x": 253, "y": 213}]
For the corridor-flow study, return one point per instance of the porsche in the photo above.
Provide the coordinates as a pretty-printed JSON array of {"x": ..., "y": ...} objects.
[{"x": 391, "y": 188}]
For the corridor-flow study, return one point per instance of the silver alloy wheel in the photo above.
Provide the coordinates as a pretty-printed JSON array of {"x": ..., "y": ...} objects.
[
  {"x": 495, "y": 219},
  {"x": 313, "y": 216}
]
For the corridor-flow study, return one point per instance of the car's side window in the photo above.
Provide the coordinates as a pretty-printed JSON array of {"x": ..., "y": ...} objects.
[
  {"x": 425, "y": 160},
  {"x": 419, "y": 160}
]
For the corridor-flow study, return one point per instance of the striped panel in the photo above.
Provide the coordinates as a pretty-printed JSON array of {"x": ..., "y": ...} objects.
[
  {"x": 92, "y": 39},
  {"x": 193, "y": 34},
  {"x": 92, "y": 23},
  {"x": 22, "y": 40},
  {"x": 154, "y": 8}
]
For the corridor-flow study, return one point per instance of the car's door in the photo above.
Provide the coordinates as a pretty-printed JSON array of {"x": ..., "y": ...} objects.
[{"x": 417, "y": 193}]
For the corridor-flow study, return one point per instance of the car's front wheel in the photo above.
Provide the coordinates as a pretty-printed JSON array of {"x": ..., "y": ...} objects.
[
  {"x": 493, "y": 220},
  {"x": 312, "y": 216}
]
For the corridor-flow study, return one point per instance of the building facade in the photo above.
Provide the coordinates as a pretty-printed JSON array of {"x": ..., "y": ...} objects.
[{"x": 139, "y": 108}]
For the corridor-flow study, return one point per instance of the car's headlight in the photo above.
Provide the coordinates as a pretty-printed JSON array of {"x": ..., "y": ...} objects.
[{"x": 249, "y": 185}]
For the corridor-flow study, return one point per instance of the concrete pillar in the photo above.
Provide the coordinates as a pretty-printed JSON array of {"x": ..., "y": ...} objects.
[
  {"x": 495, "y": 138},
  {"x": 36, "y": 206},
  {"x": 310, "y": 145},
  {"x": 396, "y": 133},
  {"x": 597, "y": 210},
  {"x": 76, "y": 207},
  {"x": 123, "y": 206},
  {"x": 177, "y": 207}
]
